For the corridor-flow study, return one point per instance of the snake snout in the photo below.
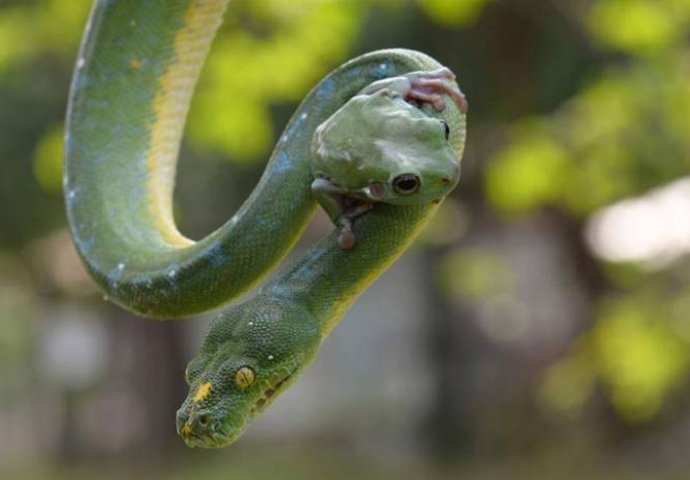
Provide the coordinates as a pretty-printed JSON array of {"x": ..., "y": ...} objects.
[
  {"x": 193, "y": 424},
  {"x": 201, "y": 429}
]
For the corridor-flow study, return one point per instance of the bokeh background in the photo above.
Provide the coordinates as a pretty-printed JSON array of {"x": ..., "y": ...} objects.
[{"x": 540, "y": 329}]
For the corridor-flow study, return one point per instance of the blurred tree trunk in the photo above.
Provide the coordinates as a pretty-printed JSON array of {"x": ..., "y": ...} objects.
[
  {"x": 149, "y": 361},
  {"x": 452, "y": 344},
  {"x": 158, "y": 376}
]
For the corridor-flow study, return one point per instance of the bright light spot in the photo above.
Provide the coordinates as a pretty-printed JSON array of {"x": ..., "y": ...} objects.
[
  {"x": 654, "y": 228},
  {"x": 73, "y": 348}
]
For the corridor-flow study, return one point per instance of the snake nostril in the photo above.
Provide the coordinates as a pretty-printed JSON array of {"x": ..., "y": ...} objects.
[{"x": 203, "y": 420}]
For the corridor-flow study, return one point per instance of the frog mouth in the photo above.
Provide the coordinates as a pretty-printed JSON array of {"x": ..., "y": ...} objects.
[
  {"x": 351, "y": 203},
  {"x": 372, "y": 192}
]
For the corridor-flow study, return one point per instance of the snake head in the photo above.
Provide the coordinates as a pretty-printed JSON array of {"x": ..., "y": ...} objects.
[{"x": 252, "y": 352}]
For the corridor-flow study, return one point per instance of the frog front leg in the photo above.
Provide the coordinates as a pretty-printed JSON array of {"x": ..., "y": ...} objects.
[
  {"x": 423, "y": 87},
  {"x": 341, "y": 207}
]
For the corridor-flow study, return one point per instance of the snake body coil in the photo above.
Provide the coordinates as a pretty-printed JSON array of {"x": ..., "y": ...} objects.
[{"x": 135, "y": 76}]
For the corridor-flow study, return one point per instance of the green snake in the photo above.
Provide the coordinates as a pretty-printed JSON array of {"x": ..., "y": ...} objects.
[{"x": 377, "y": 143}]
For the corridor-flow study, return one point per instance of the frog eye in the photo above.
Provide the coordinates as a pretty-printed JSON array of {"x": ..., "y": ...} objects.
[
  {"x": 406, "y": 183},
  {"x": 244, "y": 378},
  {"x": 446, "y": 129}
]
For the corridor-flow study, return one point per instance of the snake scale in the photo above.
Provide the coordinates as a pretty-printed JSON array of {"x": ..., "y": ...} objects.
[{"x": 134, "y": 78}]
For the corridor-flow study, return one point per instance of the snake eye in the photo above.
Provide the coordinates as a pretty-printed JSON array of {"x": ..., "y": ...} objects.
[
  {"x": 446, "y": 129},
  {"x": 406, "y": 184},
  {"x": 244, "y": 378}
]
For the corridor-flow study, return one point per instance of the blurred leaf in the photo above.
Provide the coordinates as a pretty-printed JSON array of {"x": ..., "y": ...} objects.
[
  {"x": 16, "y": 314},
  {"x": 530, "y": 173},
  {"x": 453, "y": 13},
  {"x": 49, "y": 25},
  {"x": 623, "y": 134},
  {"x": 15, "y": 38},
  {"x": 568, "y": 384},
  {"x": 475, "y": 274},
  {"x": 247, "y": 71},
  {"x": 48, "y": 160},
  {"x": 639, "y": 357},
  {"x": 639, "y": 26}
]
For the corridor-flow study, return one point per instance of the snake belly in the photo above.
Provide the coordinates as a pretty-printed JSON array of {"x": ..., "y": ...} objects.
[{"x": 135, "y": 75}]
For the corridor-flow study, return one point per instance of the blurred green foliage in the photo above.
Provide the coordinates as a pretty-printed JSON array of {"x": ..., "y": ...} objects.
[
  {"x": 635, "y": 350},
  {"x": 32, "y": 28},
  {"x": 605, "y": 143},
  {"x": 452, "y": 13},
  {"x": 638, "y": 355},
  {"x": 485, "y": 276},
  {"x": 17, "y": 314},
  {"x": 624, "y": 132},
  {"x": 267, "y": 52},
  {"x": 48, "y": 160},
  {"x": 640, "y": 27},
  {"x": 622, "y": 135}
]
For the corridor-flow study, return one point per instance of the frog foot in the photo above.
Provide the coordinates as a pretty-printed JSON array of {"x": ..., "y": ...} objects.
[
  {"x": 342, "y": 207},
  {"x": 351, "y": 208},
  {"x": 346, "y": 237},
  {"x": 428, "y": 86}
]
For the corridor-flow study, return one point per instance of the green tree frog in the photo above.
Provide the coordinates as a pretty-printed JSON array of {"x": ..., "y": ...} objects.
[{"x": 400, "y": 154}]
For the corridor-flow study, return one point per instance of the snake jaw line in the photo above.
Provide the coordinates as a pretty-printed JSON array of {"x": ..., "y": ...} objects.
[{"x": 267, "y": 395}]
